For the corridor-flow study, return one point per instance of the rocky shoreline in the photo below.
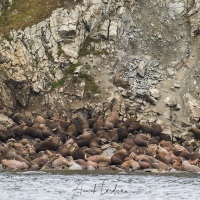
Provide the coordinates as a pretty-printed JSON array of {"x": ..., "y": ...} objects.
[{"x": 99, "y": 141}]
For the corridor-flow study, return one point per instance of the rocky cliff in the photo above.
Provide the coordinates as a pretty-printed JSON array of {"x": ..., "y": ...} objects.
[{"x": 82, "y": 54}]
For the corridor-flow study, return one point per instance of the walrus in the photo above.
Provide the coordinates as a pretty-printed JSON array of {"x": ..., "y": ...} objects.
[
  {"x": 39, "y": 120},
  {"x": 64, "y": 125},
  {"x": 128, "y": 122},
  {"x": 177, "y": 164},
  {"x": 150, "y": 99},
  {"x": 77, "y": 153},
  {"x": 11, "y": 153},
  {"x": 46, "y": 131},
  {"x": 97, "y": 142},
  {"x": 142, "y": 157},
  {"x": 14, "y": 165},
  {"x": 167, "y": 145},
  {"x": 144, "y": 164},
  {"x": 119, "y": 156},
  {"x": 129, "y": 142},
  {"x": 33, "y": 132},
  {"x": 66, "y": 149},
  {"x": 93, "y": 164},
  {"x": 112, "y": 120},
  {"x": 82, "y": 163},
  {"x": 78, "y": 125},
  {"x": 59, "y": 162},
  {"x": 103, "y": 134},
  {"x": 135, "y": 126},
  {"x": 140, "y": 140},
  {"x": 130, "y": 165},
  {"x": 122, "y": 133},
  {"x": 5, "y": 134},
  {"x": 156, "y": 129},
  {"x": 196, "y": 132},
  {"x": 92, "y": 122},
  {"x": 93, "y": 151},
  {"x": 72, "y": 131},
  {"x": 188, "y": 156},
  {"x": 186, "y": 166},
  {"x": 85, "y": 139},
  {"x": 151, "y": 149},
  {"x": 51, "y": 143},
  {"x": 61, "y": 134},
  {"x": 113, "y": 135},
  {"x": 37, "y": 163},
  {"x": 99, "y": 124},
  {"x": 3, "y": 137},
  {"x": 17, "y": 131},
  {"x": 163, "y": 155},
  {"x": 83, "y": 122},
  {"x": 146, "y": 128},
  {"x": 99, "y": 159},
  {"x": 22, "y": 119},
  {"x": 119, "y": 82},
  {"x": 178, "y": 149},
  {"x": 52, "y": 124}
]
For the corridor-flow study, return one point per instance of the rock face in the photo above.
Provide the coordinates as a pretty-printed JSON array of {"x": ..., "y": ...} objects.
[{"x": 72, "y": 59}]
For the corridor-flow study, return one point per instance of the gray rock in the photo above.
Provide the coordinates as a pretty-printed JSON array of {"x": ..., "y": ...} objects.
[
  {"x": 75, "y": 166},
  {"x": 6, "y": 121},
  {"x": 166, "y": 133}
]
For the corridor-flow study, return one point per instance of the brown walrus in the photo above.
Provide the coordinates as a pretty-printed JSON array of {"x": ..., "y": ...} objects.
[
  {"x": 34, "y": 132},
  {"x": 167, "y": 145},
  {"x": 119, "y": 82},
  {"x": 140, "y": 140},
  {"x": 135, "y": 126},
  {"x": 156, "y": 129},
  {"x": 39, "y": 120},
  {"x": 22, "y": 119},
  {"x": 37, "y": 163},
  {"x": 122, "y": 133},
  {"x": 146, "y": 128},
  {"x": 112, "y": 120},
  {"x": 99, "y": 159},
  {"x": 128, "y": 122},
  {"x": 85, "y": 139},
  {"x": 129, "y": 142},
  {"x": 72, "y": 131},
  {"x": 113, "y": 135},
  {"x": 97, "y": 142},
  {"x": 186, "y": 166},
  {"x": 59, "y": 162},
  {"x": 93, "y": 151},
  {"x": 163, "y": 155},
  {"x": 196, "y": 132},
  {"x": 99, "y": 124},
  {"x": 130, "y": 165},
  {"x": 102, "y": 134},
  {"x": 118, "y": 157},
  {"x": 51, "y": 143},
  {"x": 77, "y": 153},
  {"x": 150, "y": 99},
  {"x": 83, "y": 121},
  {"x": 14, "y": 165}
]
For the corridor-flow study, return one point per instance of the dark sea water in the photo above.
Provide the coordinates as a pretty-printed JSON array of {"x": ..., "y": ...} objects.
[{"x": 64, "y": 186}]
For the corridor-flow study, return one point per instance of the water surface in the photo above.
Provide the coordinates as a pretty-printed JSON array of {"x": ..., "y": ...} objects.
[{"x": 65, "y": 185}]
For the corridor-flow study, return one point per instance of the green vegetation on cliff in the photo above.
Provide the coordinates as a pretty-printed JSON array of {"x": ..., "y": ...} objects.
[
  {"x": 23, "y": 13},
  {"x": 90, "y": 86}
]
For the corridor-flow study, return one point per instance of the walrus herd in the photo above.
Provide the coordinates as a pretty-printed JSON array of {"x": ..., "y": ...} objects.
[{"x": 89, "y": 143}]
